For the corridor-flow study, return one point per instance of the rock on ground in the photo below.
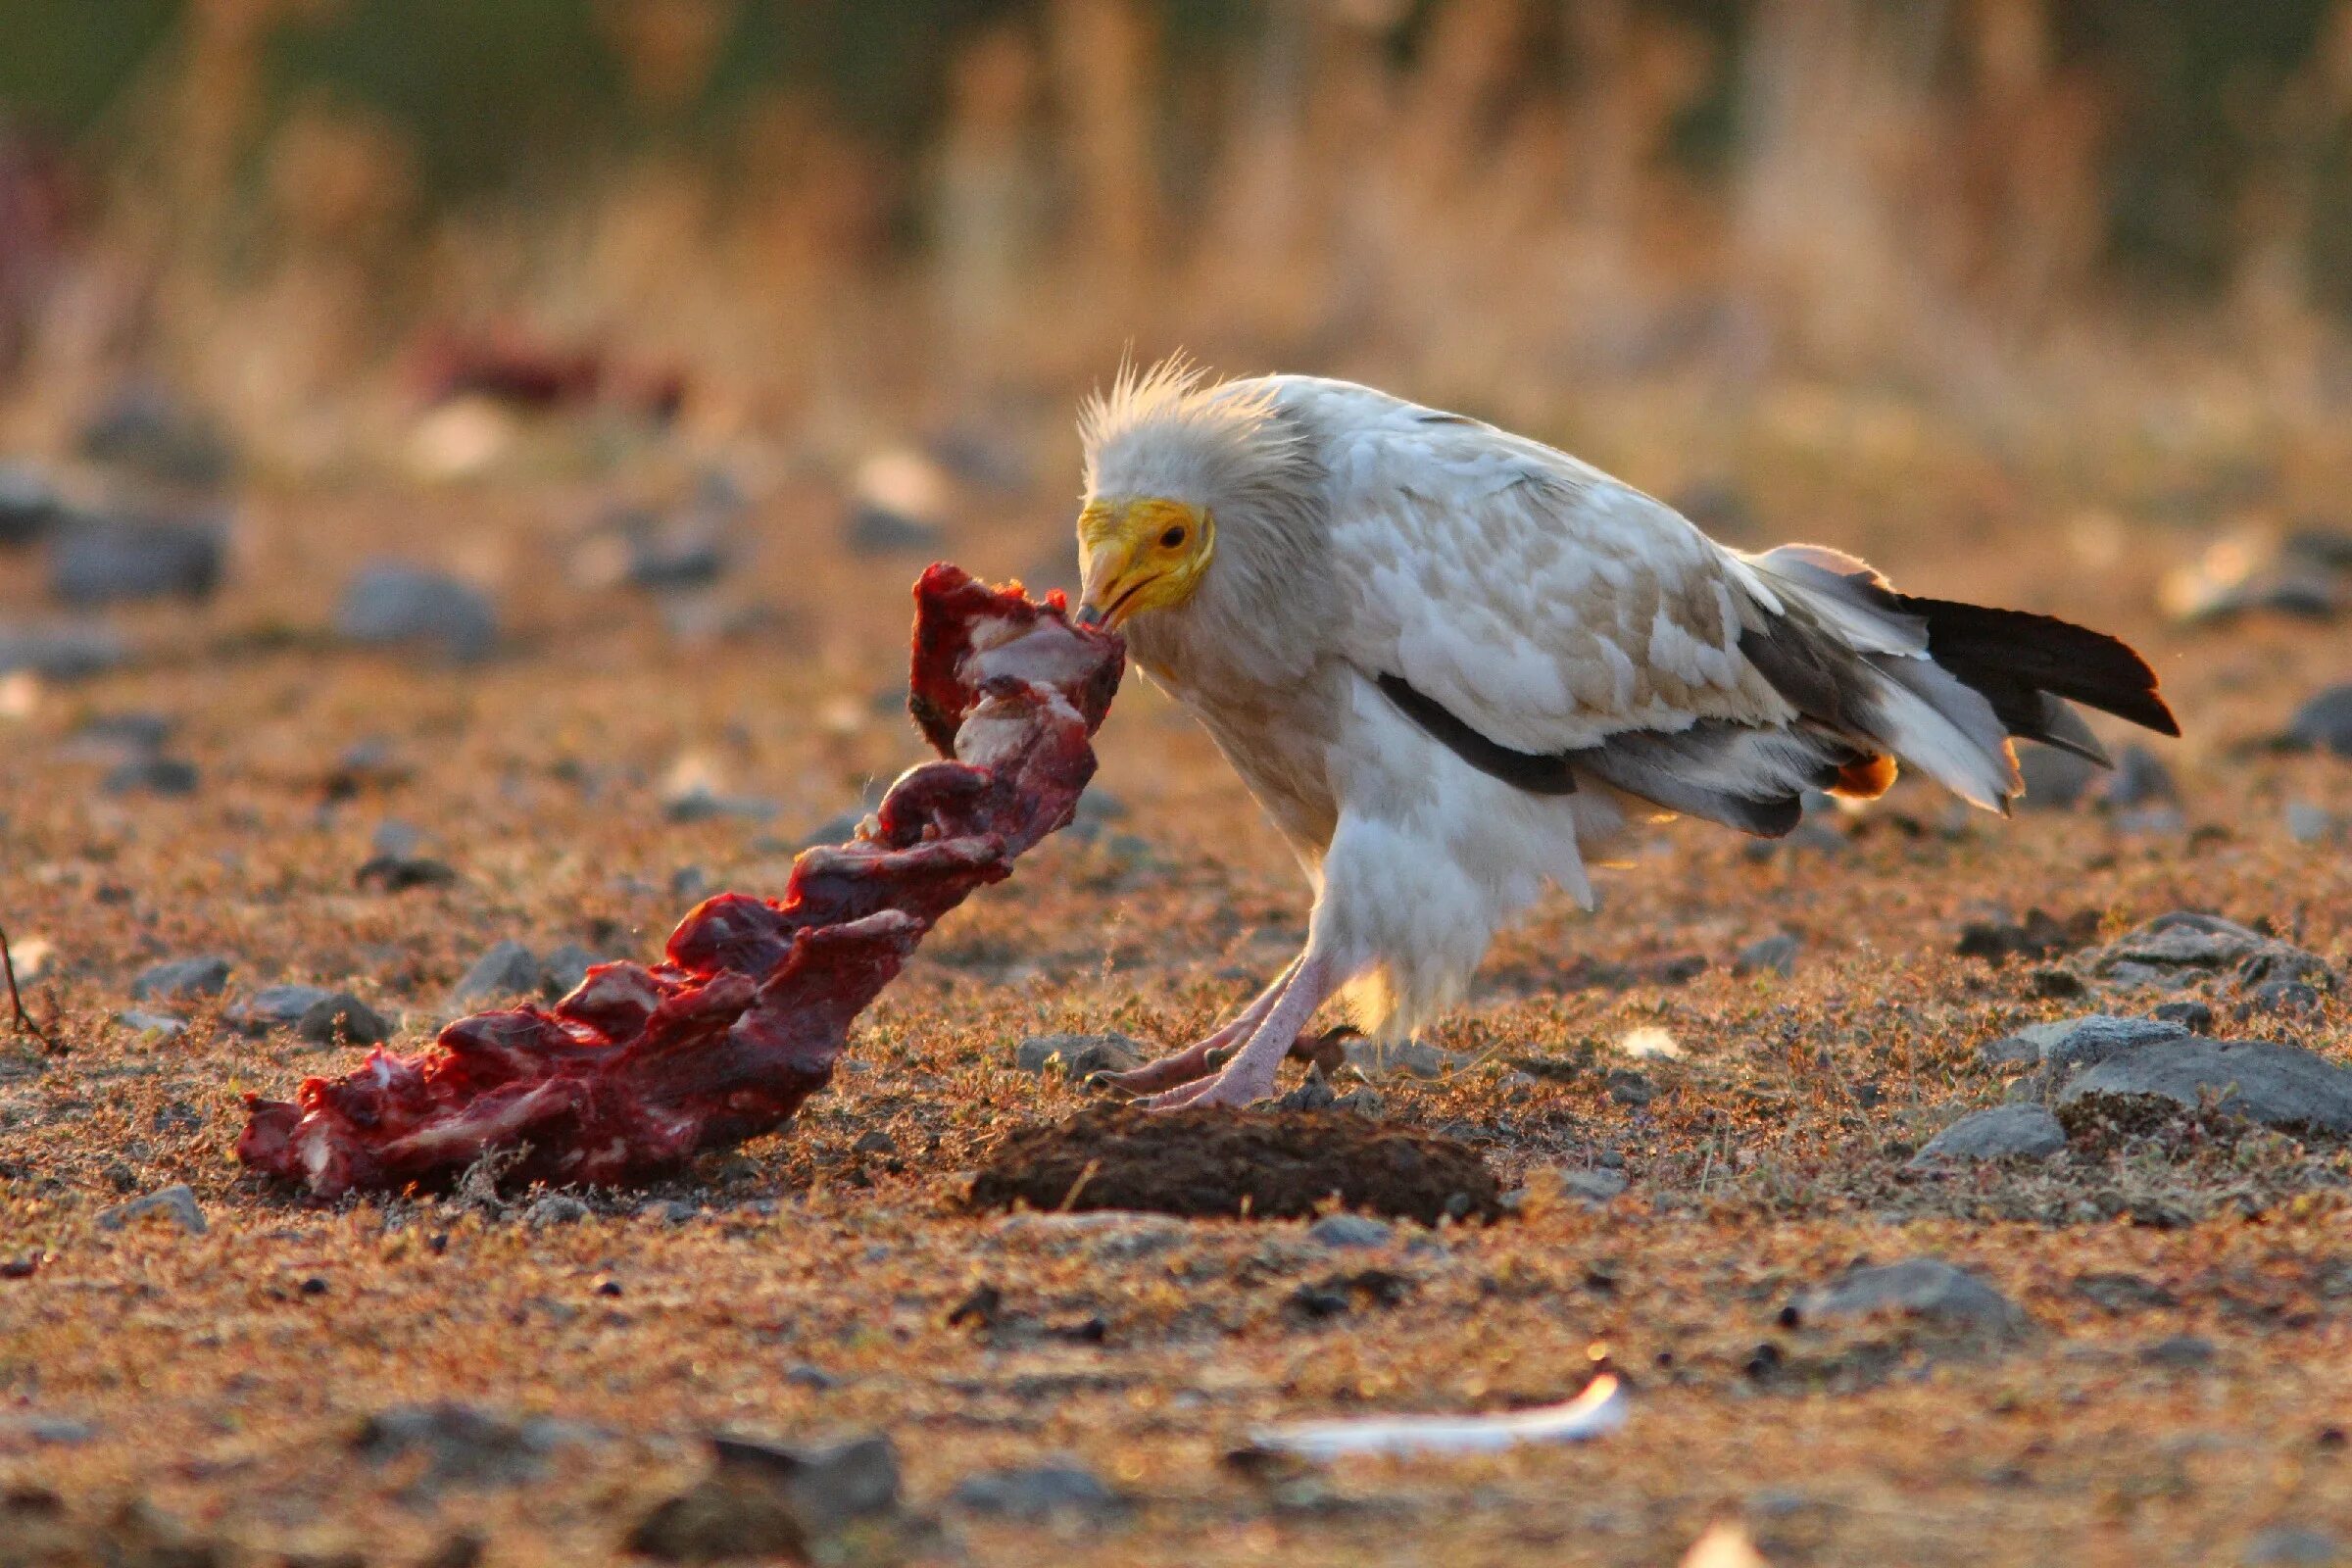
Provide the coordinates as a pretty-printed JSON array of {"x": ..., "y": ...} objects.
[
  {"x": 181, "y": 980},
  {"x": 1078, "y": 1055},
  {"x": 2324, "y": 723},
  {"x": 388, "y": 604},
  {"x": 505, "y": 971},
  {"x": 177, "y": 1204},
  {"x": 274, "y": 1008},
  {"x": 2279, "y": 1086},
  {"x": 2003, "y": 1132},
  {"x": 1060, "y": 1487},
  {"x": 101, "y": 559},
  {"x": 770, "y": 1501},
  {"x": 1926, "y": 1288}
]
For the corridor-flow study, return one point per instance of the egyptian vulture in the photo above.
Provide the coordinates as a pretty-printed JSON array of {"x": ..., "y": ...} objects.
[{"x": 1453, "y": 663}]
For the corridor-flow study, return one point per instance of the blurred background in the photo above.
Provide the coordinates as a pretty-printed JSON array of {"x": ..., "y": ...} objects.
[
  {"x": 551, "y": 296},
  {"x": 810, "y": 225}
]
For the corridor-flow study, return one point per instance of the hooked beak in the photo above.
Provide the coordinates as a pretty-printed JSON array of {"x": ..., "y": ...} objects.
[{"x": 1108, "y": 588}]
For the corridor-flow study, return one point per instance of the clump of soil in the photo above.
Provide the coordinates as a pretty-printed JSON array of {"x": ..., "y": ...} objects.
[{"x": 1216, "y": 1161}]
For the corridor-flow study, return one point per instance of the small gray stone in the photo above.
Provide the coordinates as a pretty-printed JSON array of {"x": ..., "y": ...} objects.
[
  {"x": 1314, "y": 1092},
  {"x": 508, "y": 972},
  {"x": 2294, "y": 1547},
  {"x": 2100, "y": 1036},
  {"x": 556, "y": 1208},
  {"x": 181, "y": 980},
  {"x": 96, "y": 560},
  {"x": 2280, "y": 1086},
  {"x": 2324, "y": 723},
  {"x": 876, "y": 529},
  {"x": 1593, "y": 1186},
  {"x": 2182, "y": 938},
  {"x": 1078, "y": 1056},
  {"x": 1775, "y": 954},
  {"x": 561, "y": 972},
  {"x": 387, "y": 604},
  {"x": 46, "y": 1432},
  {"x": 2054, "y": 778},
  {"x": 61, "y": 652},
  {"x": 2177, "y": 1351},
  {"x": 151, "y": 775},
  {"x": 769, "y": 1501},
  {"x": 668, "y": 1210},
  {"x": 28, "y": 504},
  {"x": 341, "y": 1019},
  {"x": 1035, "y": 1494},
  {"x": 274, "y": 1008},
  {"x": 464, "y": 1446},
  {"x": 2194, "y": 1016},
  {"x": 2307, "y": 823},
  {"x": 1350, "y": 1230},
  {"x": 2004, "y": 1132},
  {"x": 1926, "y": 1288},
  {"x": 2140, "y": 780},
  {"x": 177, "y": 1204},
  {"x": 141, "y": 1021}
]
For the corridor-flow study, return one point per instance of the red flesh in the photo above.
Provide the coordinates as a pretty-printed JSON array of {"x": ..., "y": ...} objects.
[{"x": 643, "y": 1066}]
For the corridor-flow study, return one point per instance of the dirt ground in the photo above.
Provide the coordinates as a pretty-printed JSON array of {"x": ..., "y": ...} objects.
[{"x": 2179, "y": 1389}]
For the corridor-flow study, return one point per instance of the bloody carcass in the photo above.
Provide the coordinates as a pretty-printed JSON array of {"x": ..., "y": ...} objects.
[{"x": 644, "y": 1065}]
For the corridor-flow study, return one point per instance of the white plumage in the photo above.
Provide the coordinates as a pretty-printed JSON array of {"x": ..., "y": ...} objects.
[{"x": 1454, "y": 665}]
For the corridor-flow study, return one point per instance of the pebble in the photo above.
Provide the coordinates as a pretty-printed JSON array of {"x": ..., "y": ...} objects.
[
  {"x": 48, "y": 1432},
  {"x": 2140, "y": 780},
  {"x": 2119, "y": 1293},
  {"x": 2279, "y": 1086},
  {"x": 28, "y": 504},
  {"x": 274, "y": 1008},
  {"x": 464, "y": 1446},
  {"x": 561, "y": 972},
  {"x": 509, "y": 970},
  {"x": 2177, "y": 1351},
  {"x": 181, "y": 980},
  {"x": 1774, "y": 955},
  {"x": 1593, "y": 1186},
  {"x": 2055, "y": 778},
  {"x": 2003, "y": 1132},
  {"x": 1919, "y": 1287},
  {"x": 142, "y": 1021},
  {"x": 1078, "y": 1056},
  {"x": 2194, "y": 1016},
  {"x": 2294, "y": 1547},
  {"x": 1339, "y": 1231},
  {"x": 151, "y": 775},
  {"x": 556, "y": 1208},
  {"x": 765, "y": 1500},
  {"x": 144, "y": 428},
  {"x": 2307, "y": 823},
  {"x": 104, "y": 559},
  {"x": 389, "y": 603},
  {"x": 341, "y": 1018},
  {"x": 668, "y": 1210},
  {"x": 63, "y": 651},
  {"x": 176, "y": 1203},
  {"x": 2324, "y": 723},
  {"x": 1035, "y": 1494}
]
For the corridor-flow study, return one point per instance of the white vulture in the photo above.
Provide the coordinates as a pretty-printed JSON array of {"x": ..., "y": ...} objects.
[{"x": 1452, "y": 665}]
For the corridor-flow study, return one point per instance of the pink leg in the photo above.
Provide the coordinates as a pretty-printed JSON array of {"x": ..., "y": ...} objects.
[
  {"x": 1193, "y": 1061},
  {"x": 1249, "y": 1076}
]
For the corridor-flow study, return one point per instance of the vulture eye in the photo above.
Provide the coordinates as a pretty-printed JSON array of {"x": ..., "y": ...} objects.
[{"x": 1172, "y": 538}]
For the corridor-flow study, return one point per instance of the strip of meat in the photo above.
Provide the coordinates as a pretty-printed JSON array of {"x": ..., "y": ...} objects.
[{"x": 644, "y": 1065}]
